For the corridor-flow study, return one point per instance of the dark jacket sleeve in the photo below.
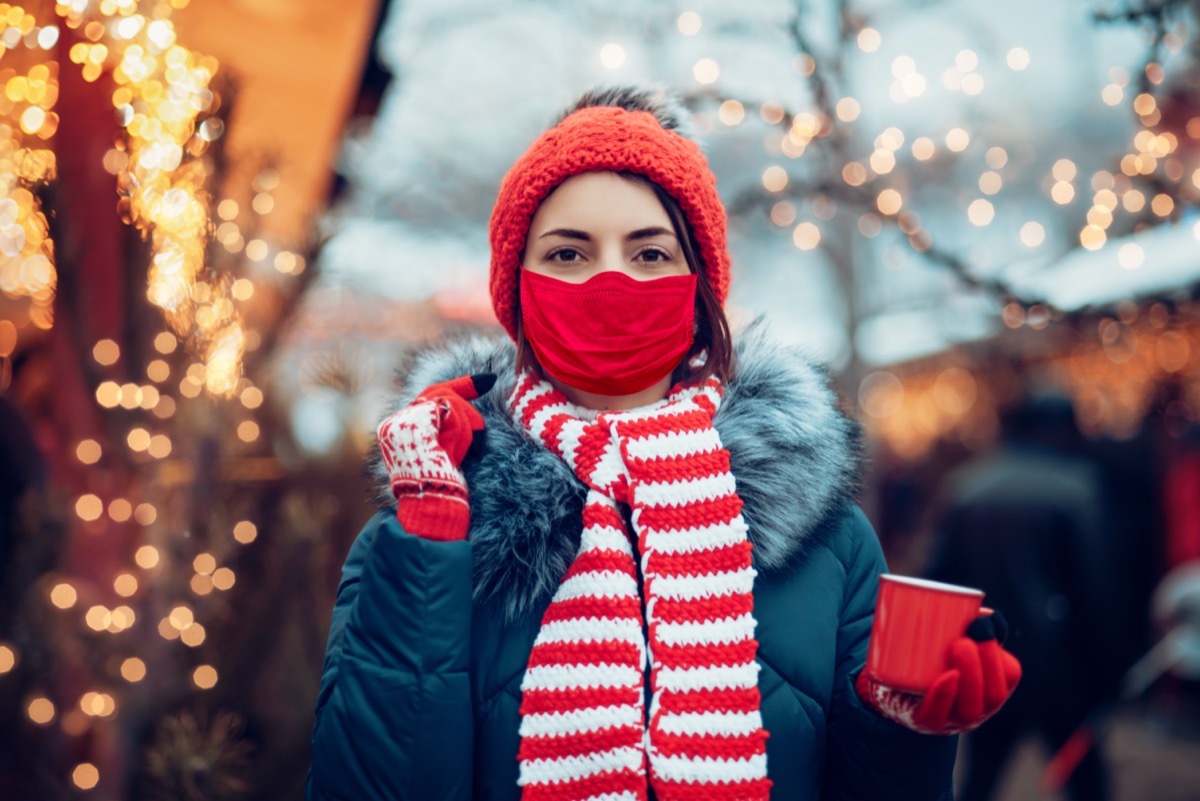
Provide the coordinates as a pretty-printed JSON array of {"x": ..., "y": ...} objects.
[
  {"x": 394, "y": 716},
  {"x": 872, "y": 758}
]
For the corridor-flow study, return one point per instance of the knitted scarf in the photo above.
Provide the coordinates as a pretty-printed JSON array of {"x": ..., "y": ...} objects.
[{"x": 584, "y": 732}]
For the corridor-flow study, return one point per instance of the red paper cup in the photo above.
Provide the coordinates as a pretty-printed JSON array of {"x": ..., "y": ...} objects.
[{"x": 916, "y": 621}]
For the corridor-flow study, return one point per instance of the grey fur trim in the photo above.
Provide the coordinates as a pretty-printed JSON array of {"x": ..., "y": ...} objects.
[{"x": 795, "y": 456}]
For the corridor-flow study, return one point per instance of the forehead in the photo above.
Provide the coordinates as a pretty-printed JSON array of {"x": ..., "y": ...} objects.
[{"x": 594, "y": 200}]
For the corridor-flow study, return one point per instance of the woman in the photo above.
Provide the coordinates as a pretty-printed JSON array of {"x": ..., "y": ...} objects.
[{"x": 632, "y": 569}]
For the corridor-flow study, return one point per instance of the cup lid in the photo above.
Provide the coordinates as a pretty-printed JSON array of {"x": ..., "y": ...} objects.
[{"x": 936, "y": 586}]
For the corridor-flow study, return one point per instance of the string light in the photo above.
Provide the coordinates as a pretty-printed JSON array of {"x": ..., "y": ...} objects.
[
  {"x": 689, "y": 23},
  {"x": 63, "y": 596},
  {"x": 166, "y": 107}
]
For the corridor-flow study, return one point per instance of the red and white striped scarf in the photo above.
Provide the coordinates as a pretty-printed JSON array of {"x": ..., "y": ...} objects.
[{"x": 583, "y": 724}]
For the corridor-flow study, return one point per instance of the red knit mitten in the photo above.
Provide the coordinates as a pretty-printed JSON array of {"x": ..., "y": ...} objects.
[
  {"x": 423, "y": 446},
  {"x": 981, "y": 677}
]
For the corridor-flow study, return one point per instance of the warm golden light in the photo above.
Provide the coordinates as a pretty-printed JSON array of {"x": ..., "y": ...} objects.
[
  {"x": 889, "y": 201},
  {"x": 40, "y": 710},
  {"x": 106, "y": 352},
  {"x": 923, "y": 148},
  {"x": 138, "y": 439},
  {"x": 981, "y": 212},
  {"x": 181, "y": 617},
  {"x": 242, "y": 289},
  {"x": 775, "y": 178},
  {"x": 193, "y": 635},
  {"x": 63, "y": 596},
  {"x": 89, "y": 507},
  {"x": 689, "y": 23},
  {"x": 848, "y": 109},
  {"x": 612, "y": 56},
  {"x": 782, "y": 214},
  {"x": 1144, "y": 104},
  {"x": 158, "y": 370},
  {"x": 1130, "y": 256},
  {"x": 806, "y": 236},
  {"x": 145, "y": 514},
  {"x": 1162, "y": 205},
  {"x": 108, "y": 394},
  {"x": 1032, "y": 234},
  {"x": 1099, "y": 216},
  {"x": 706, "y": 71},
  {"x": 731, "y": 113},
  {"x": 166, "y": 343},
  {"x": 245, "y": 532},
  {"x": 854, "y": 174},
  {"x": 146, "y": 557},
  {"x": 882, "y": 161},
  {"x": 160, "y": 446},
  {"x": 869, "y": 40},
  {"x": 1018, "y": 59},
  {"x": 1063, "y": 170},
  {"x": 204, "y": 563},
  {"x": 205, "y": 677},
  {"x": 1092, "y": 237},
  {"x": 120, "y": 510},
  {"x": 1062, "y": 193},
  {"x": 990, "y": 183},
  {"x": 133, "y": 670},
  {"x": 88, "y": 451},
  {"x": 85, "y": 776},
  {"x": 125, "y": 585},
  {"x": 957, "y": 139},
  {"x": 98, "y": 618}
]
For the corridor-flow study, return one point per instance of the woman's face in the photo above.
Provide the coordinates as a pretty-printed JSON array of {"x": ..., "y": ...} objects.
[{"x": 599, "y": 221}]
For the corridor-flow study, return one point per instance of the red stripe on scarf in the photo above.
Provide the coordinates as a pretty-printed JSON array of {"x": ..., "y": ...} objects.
[
  {"x": 598, "y": 784},
  {"x": 712, "y": 746},
  {"x": 672, "y": 468},
  {"x": 550, "y": 701},
  {"x": 669, "y": 610},
  {"x": 681, "y": 422},
  {"x": 699, "y": 563},
  {"x": 594, "y": 652},
  {"x": 696, "y": 515},
  {"x": 744, "y": 700},
  {"x": 723, "y": 654},
  {"x": 597, "y": 515},
  {"x": 733, "y": 791},
  {"x": 590, "y": 561},
  {"x": 581, "y": 744}
]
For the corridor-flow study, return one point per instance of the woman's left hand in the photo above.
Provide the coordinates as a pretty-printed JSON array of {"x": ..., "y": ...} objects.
[{"x": 981, "y": 677}]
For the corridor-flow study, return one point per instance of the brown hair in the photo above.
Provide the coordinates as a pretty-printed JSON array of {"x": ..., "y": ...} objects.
[{"x": 712, "y": 327}]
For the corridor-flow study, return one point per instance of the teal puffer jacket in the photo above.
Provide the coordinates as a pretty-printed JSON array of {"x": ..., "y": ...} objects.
[{"x": 429, "y": 640}]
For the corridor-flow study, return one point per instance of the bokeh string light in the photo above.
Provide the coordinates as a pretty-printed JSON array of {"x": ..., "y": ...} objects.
[
  {"x": 164, "y": 102},
  {"x": 163, "y": 166},
  {"x": 28, "y": 122},
  {"x": 1112, "y": 371},
  {"x": 1150, "y": 185}
]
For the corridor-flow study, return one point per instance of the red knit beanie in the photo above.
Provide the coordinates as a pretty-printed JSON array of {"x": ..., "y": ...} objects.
[{"x": 596, "y": 139}]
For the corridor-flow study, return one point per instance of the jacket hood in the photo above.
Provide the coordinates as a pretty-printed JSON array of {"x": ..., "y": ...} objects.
[{"x": 796, "y": 458}]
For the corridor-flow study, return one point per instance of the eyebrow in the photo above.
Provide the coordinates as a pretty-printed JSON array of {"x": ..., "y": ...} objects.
[{"x": 641, "y": 233}]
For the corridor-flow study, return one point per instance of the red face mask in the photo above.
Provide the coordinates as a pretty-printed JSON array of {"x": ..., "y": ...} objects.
[{"x": 612, "y": 334}]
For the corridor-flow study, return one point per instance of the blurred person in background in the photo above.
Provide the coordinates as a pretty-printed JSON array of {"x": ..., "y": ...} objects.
[
  {"x": 1024, "y": 523},
  {"x": 565, "y": 594}
]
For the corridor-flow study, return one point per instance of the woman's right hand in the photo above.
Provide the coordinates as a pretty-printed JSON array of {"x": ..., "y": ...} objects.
[{"x": 423, "y": 446}]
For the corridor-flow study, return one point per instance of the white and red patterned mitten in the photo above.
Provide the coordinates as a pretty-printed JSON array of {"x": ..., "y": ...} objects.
[
  {"x": 981, "y": 677},
  {"x": 423, "y": 446}
]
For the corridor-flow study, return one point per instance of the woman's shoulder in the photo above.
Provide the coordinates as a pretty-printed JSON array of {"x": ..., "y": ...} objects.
[{"x": 796, "y": 456}]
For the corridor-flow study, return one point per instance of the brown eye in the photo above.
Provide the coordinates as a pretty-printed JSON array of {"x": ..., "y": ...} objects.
[
  {"x": 564, "y": 256},
  {"x": 654, "y": 256}
]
